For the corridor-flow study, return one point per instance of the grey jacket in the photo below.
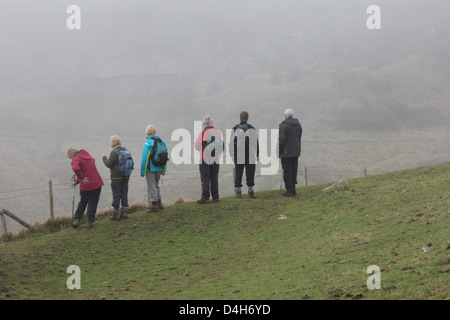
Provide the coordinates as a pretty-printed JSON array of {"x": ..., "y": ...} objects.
[
  {"x": 112, "y": 161},
  {"x": 289, "y": 138}
]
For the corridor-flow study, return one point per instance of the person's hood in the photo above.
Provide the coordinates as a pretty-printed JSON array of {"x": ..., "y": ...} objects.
[
  {"x": 291, "y": 122},
  {"x": 83, "y": 154}
]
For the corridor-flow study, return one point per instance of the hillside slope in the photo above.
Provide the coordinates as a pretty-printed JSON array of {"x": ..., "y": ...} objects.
[{"x": 314, "y": 246}]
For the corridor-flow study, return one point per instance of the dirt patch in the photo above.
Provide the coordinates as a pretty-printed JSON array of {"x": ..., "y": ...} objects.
[
  {"x": 407, "y": 268},
  {"x": 389, "y": 288},
  {"x": 446, "y": 262},
  {"x": 341, "y": 294},
  {"x": 5, "y": 292}
]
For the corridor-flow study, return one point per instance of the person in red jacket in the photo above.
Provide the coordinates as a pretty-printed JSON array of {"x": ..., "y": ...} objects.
[
  {"x": 90, "y": 181},
  {"x": 210, "y": 145}
]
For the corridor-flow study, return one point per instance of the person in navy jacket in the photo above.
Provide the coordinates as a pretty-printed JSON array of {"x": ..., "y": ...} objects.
[{"x": 290, "y": 146}]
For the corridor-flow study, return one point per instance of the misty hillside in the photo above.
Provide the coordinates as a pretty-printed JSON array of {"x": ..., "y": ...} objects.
[
  {"x": 316, "y": 56},
  {"x": 404, "y": 95},
  {"x": 367, "y": 99}
]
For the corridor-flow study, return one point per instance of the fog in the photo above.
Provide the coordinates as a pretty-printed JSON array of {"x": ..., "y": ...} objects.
[{"x": 367, "y": 99}]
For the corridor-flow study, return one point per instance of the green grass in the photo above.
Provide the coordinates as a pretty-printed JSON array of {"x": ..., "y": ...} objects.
[{"x": 240, "y": 249}]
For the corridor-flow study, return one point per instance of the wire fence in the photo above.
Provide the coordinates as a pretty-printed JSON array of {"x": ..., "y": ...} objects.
[{"x": 185, "y": 184}]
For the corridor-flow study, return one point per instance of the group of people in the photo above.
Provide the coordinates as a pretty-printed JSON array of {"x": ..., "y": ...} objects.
[
  {"x": 243, "y": 149},
  {"x": 120, "y": 164}
]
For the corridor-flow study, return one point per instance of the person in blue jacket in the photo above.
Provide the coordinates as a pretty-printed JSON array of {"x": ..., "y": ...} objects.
[{"x": 151, "y": 171}]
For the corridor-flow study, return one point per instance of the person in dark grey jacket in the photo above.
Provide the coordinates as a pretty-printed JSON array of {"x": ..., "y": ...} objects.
[
  {"x": 244, "y": 150},
  {"x": 289, "y": 143}
]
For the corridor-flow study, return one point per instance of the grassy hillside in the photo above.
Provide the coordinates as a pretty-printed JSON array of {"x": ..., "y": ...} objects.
[{"x": 314, "y": 246}]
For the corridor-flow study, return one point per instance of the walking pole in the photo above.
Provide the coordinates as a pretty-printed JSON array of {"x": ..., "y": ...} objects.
[
  {"x": 281, "y": 177},
  {"x": 73, "y": 195}
]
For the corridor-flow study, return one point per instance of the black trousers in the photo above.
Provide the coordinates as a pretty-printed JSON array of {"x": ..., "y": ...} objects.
[
  {"x": 119, "y": 189},
  {"x": 90, "y": 200},
  {"x": 249, "y": 174},
  {"x": 209, "y": 175},
  {"x": 290, "y": 169}
]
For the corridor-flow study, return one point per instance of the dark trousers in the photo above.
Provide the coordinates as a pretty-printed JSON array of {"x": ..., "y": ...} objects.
[
  {"x": 90, "y": 200},
  {"x": 209, "y": 175},
  {"x": 119, "y": 189},
  {"x": 290, "y": 168},
  {"x": 249, "y": 174}
]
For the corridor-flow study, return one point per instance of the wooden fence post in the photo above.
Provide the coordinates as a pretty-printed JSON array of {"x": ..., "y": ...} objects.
[
  {"x": 50, "y": 198},
  {"x": 2, "y": 217},
  {"x": 14, "y": 217},
  {"x": 306, "y": 177},
  {"x": 365, "y": 172},
  {"x": 281, "y": 176},
  {"x": 234, "y": 178}
]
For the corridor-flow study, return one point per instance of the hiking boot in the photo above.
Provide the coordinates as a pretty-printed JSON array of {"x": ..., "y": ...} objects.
[
  {"x": 238, "y": 195},
  {"x": 251, "y": 195},
  {"x": 160, "y": 206},
  {"x": 115, "y": 216},
  {"x": 153, "y": 208},
  {"x": 203, "y": 201},
  {"x": 215, "y": 200},
  {"x": 89, "y": 224},
  {"x": 123, "y": 213},
  {"x": 289, "y": 192},
  {"x": 76, "y": 223}
]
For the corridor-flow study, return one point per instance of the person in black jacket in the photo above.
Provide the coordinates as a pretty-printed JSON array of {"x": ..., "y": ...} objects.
[
  {"x": 244, "y": 150},
  {"x": 289, "y": 142}
]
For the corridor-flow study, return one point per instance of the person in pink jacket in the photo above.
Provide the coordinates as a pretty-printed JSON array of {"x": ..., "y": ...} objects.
[{"x": 90, "y": 181}]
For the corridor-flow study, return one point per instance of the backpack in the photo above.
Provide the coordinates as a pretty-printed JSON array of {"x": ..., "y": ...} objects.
[
  {"x": 125, "y": 163},
  {"x": 213, "y": 144},
  {"x": 239, "y": 134},
  {"x": 159, "y": 154},
  {"x": 245, "y": 143}
]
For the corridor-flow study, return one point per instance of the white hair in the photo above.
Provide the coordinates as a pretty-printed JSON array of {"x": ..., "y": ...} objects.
[
  {"x": 207, "y": 120},
  {"x": 289, "y": 113},
  {"x": 150, "y": 130}
]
